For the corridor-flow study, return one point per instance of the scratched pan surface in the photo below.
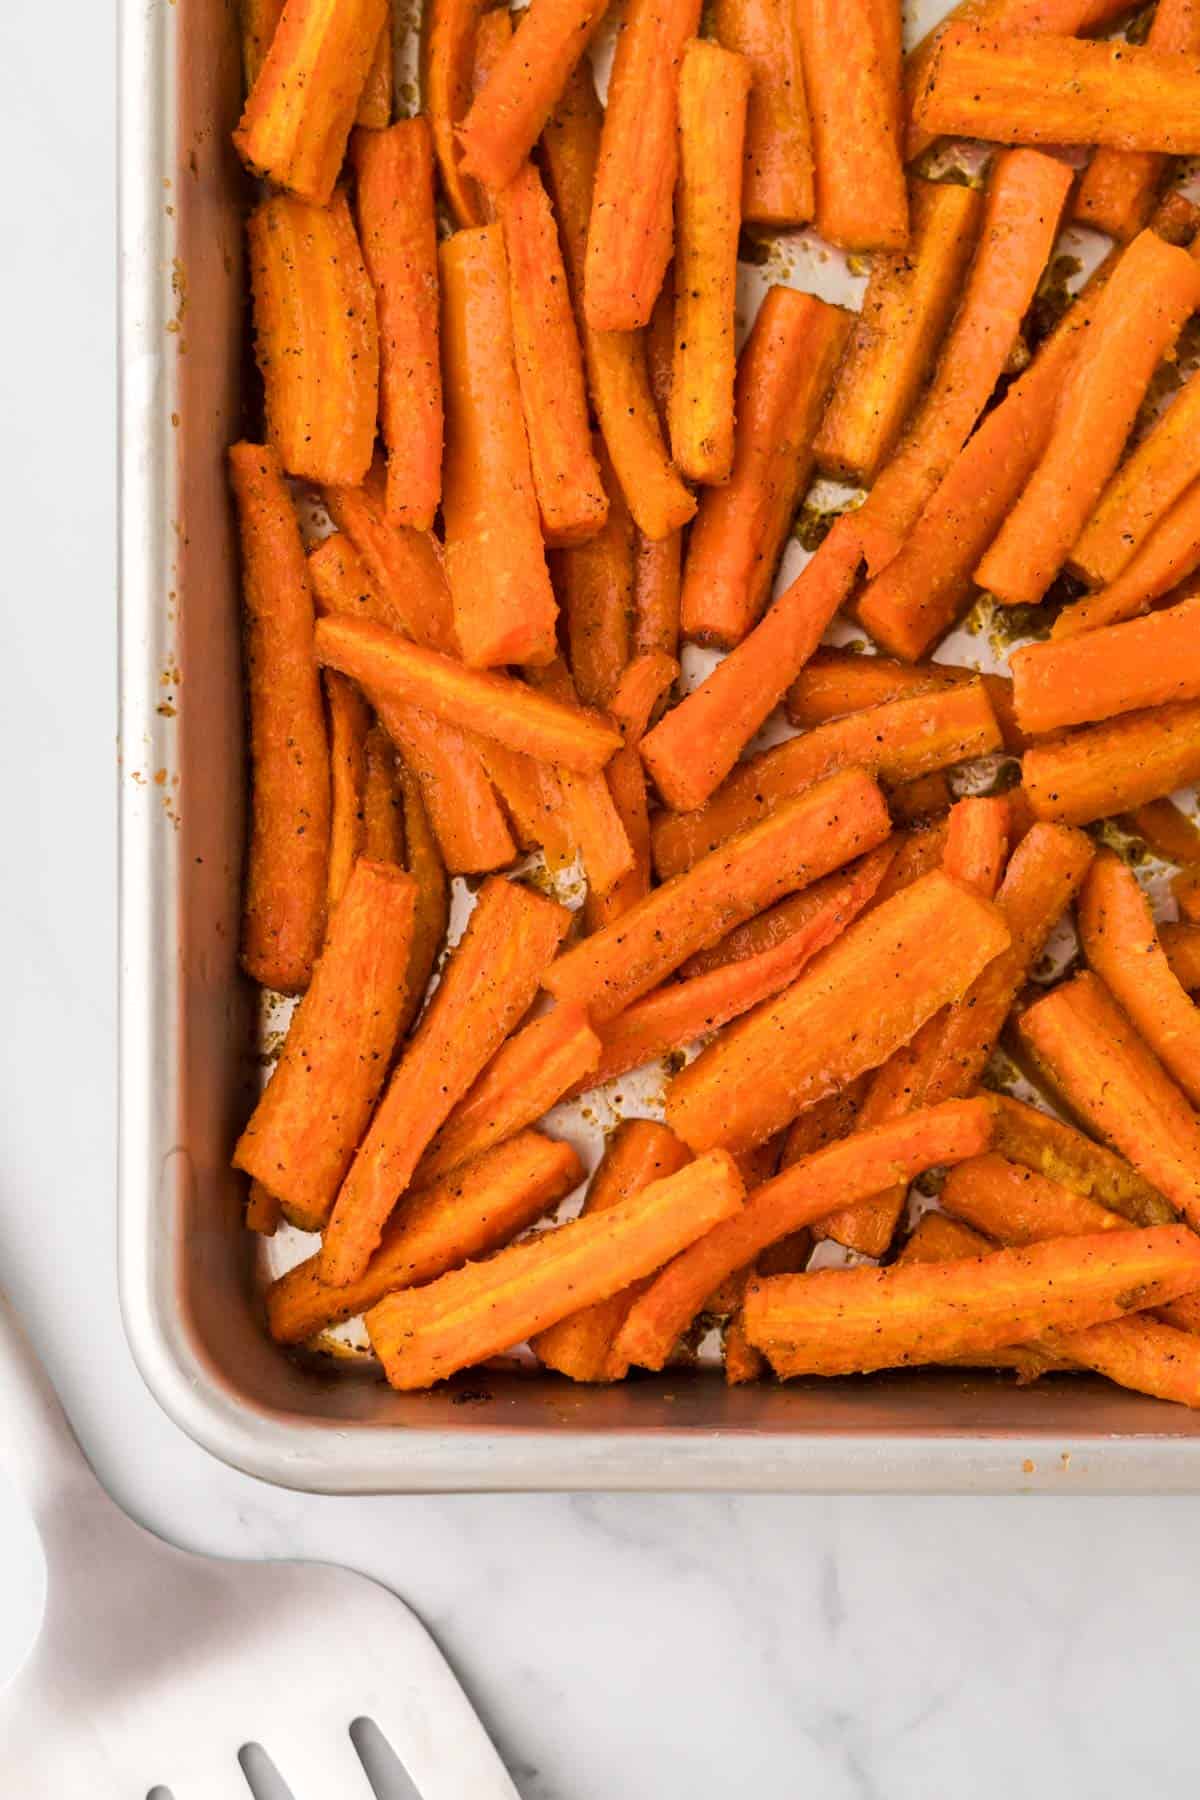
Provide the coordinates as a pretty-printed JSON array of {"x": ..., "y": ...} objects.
[{"x": 196, "y": 1044}]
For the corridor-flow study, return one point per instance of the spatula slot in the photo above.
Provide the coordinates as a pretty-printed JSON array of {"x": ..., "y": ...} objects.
[
  {"x": 384, "y": 1770},
  {"x": 262, "y": 1777}
]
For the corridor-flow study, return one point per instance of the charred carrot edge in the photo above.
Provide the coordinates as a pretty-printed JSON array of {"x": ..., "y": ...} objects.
[
  {"x": 896, "y": 742},
  {"x": 394, "y": 203},
  {"x": 504, "y": 608},
  {"x": 714, "y": 87},
  {"x": 506, "y": 120},
  {"x": 448, "y": 30},
  {"x": 840, "y": 818},
  {"x": 1061, "y": 90},
  {"x": 425, "y": 1335},
  {"x": 1111, "y": 1078},
  {"x": 1142, "y": 492},
  {"x": 581, "y": 1345},
  {"x": 468, "y": 1213},
  {"x": 657, "y": 583},
  {"x": 298, "y": 117},
  {"x": 849, "y": 892},
  {"x": 833, "y": 683},
  {"x": 1053, "y": 1148},
  {"x": 1115, "y": 767},
  {"x": 596, "y": 587},
  {"x": 1119, "y": 669},
  {"x": 423, "y": 860},
  {"x": 1144, "y": 304},
  {"x": 263, "y": 1211},
  {"x": 591, "y": 823},
  {"x": 257, "y": 20},
  {"x": 777, "y": 180},
  {"x": 1167, "y": 831},
  {"x": 847, "y": 1321},
  {"x": 487, "y": 985},
  {"x": 382, "y": 802},
  {"x": 861, "y": 199},
  {"x": 315, "y": 337},
  {"x": 1025, "y": 196},
  {"x": 1016, "y": 1205},
  {"x": 375, "y": 102},
  {"x": 630, "y": 231},
  {"x": 349, "y": 721},
  {"x": 283, "y": 918},
  {"x": 1164, "y": 558},
  {"x": 305, "y": 1129},
  {"x": 783, "y": 380},
  {"x": 905, "y": 311},
  {"x": 893, "y": 969},
  {"x": 397, "y": 574},
  {"x": 1181, "y": 946},
  {"x": 802, "y": 1194}
]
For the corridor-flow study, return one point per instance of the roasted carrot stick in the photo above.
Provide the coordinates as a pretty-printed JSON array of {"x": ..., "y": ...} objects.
[
  {"x": 935, "y": 1239},
  {"x": 800, "y": 1195},
  {"x": 394, "y": 202},
  {"x": 402, "y": 569},
  {"x": 382, "y": 801},
  {"x": 1114, "y": 767},
  {"x": 375, "y": 102},
  {"x": 643, "y": 685},
  {"x": 1167, "y": 831},
  {"x": 862, "y": 203},
  {"x": 630, "y": 231},
  {"x": 1169, "y": 554},
  {"x": 263, "y": 1211},
  {"x": 819, "y": 831},
  {"x": 892, "y": 970},
  {"x": 423, "y": 860},
  {"x": 905, "y": 311},
  {"x": 1186, "y": 891},
  {"x": 425, "y": 1335},
  {"x": 1015, "y": 1205},
  {"x": 349, "y": 720},
  {"x": 897, "y": 742},
  {"x": 581, "y": 1345},
  {"x": 486, "y": 986},
  {"x": 469, "y": 1212},
  {"x": 1181, "y": 946},
  {"x": 848, "y": 893},
  {"x": 305, "y": 1129},
  {"x": 506, "y": 119},
  {"x": 1143, "y": 662},
  {"x": 596, "y": 585},
  {"x": 1025, "y": 196},
  {"x": 846, "y": 1321},
  {"x": 257, "y": 20},
  {"x": 590, "y": 820},
  {"x": 833, "y": 683},
  {"x": 448, "y": 30},
  {"x": 657, "y": 572},
  {"x": 645, "y": 681},
  {"x": 283, "y": 917},
  {"x": 1144, "y": 1354},
  {"x": 1026, "y": 1135},
  {"x": 316, "y": 341},
  {"x": 777, "y": 182},
  {"x": 714, "y": 87},
  {"x": 977, "y": 842},
  {"x": 784, "y": 375},
  {"x": 306, "y": 93},
  {"x": 1143, "y": 490}
]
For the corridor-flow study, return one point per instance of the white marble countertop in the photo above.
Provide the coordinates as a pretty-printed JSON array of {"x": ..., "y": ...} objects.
[{"x": 616, "y": 1645}]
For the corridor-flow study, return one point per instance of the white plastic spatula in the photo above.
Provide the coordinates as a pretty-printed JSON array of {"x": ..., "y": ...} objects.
[{"x": 155, "y": 1669}]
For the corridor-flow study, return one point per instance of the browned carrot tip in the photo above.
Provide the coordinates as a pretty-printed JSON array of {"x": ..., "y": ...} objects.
[
  {"x": 777, "y": 180},
  {"x": 448, "y": 30},
  {"x": 1115, "y": 767},
  {"x": 861, "y": 199},
  {"x": 507, "y": 118}
]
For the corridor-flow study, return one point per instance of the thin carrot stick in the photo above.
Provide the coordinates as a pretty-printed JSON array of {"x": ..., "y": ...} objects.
[
  {"x": 448, "y": 30},
  {"x": 423, "y": 860},
  {"x": 1144, "y": 662},
  {"x": 493, "y": 37},
  {"x": 1015, "y": 1205},
  {"x": 1167, "y": 831},
  {"x": 643, "y": 684},
  {"x": 777, "y": 181},
  {"x": 403, "y": 568},
  {"x": 591, "y": 823},
  {"x": 783, "y": 380},
  {"x": 596, "y": 585},
  {"x": 375, "y": 102},
  {"x": 382, "y": 803},
  {"x": 1144, "y": 1354},
  {"x": 862, "y": 203},
  {"x": 850, "y": 891},
  {"x": 1115, "y": 767},
  {"x": 1181, "y": 946},
  {"x": 1169, "y": 554},
  {"x": 1143, "y": 490},
  {"x": 506, "y": 120},
  {"x": 349, "y": 720},
  {"x": 833, "y": 683},
  {"x": 1026, "y": 1135},
  {"x": 657, "y": 572}
]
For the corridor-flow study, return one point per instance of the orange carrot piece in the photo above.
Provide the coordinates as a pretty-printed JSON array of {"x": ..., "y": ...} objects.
[
  {"x": 630, "y": 231},
  {"x": 862, "y": 202},
  {"x": 914, "y": 802},
  {"x": 493, "y": 36},
  {"x": 1167, "y": 831},
  {"x": 1186, "y": 891},
  {"x": 306, "y": 1128},
  {"x": 799, "y": 1196},
  {"x": 1142, "y": 492},
  {"x": 1119, "y": 669},
  {"x": 349, "y": 720},
  {"x": 257, "y": 19},
  {"x": 581, "y": 1345},
  {"x": 394, "y": 202},
  {"x": 470, "y": 1212},
  {"x": 657, "y": 584},
  {"x": 504, "y": 609},
  {"x": 1146, "y": 300},
  {"x": 777, "y": 177},
  {"x": 395, "y": 575},
  {"x": 486, "y": 986},
  {"x": 507, "y": 118},
  {"x": 1114, "y": 767},
  {"x": 643, "y": 684},
  {"x": 835, "y": 682},
  {"x": 591, "y": 823},
  {"x": 283, "y": 918},
  {"x": 783, "y": 380},
  {"x": 1025, "y": 196},
  {"x": 263, "y": 1211},
  {"x": 743, "y": 1363},
  {"x": 848, "y": 893},
  {"x": 825, "y": 1123},
  {"x": 892, "y": 970},
  {"x": 897, "y": 742},
  {"x": 977, "y": 842},
  {"x": 1181, "y": 946},
  {"x": 375, "y": 102},
  {"x": 529, "y": 794},
  {"x": 1144, "y": 1354},
  {"x": 935, "y": 1239},
  {"x": 1015, "y": 1205},
  {"x": 448, "y": 29},
  {"x": 905, "y": 311},
  {"x": 596, "y": 586},
  {"x": 714, "y": 87},
  {"x": 316, "y": 341},
  {"x": 1169, "y": 554},
  {"x": 1052, "y": 1148},
  {"x": 382, "y": 803},
  {"x": 819, "y": 831},
  {"x": 849, "y": 1321},
  {"x": 426, "y": 1334},
  {"x": 300, "y": 110},
  {"x": 423, "y": 860}
]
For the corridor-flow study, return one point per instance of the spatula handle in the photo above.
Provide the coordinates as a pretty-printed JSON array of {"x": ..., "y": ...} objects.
[{"x": 38, "y": 1449}]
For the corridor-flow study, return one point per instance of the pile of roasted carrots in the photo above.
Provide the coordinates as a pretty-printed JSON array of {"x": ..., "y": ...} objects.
[{"x": 546, "y": 466}]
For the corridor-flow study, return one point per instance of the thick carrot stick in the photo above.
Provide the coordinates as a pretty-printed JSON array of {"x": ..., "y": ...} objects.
[
  {"x": 448, "y": 30},
  {"x": 657, "y": 584},
  {"x": 1057, "y": 90},
  {"x": 349, "y": 720},
  {"x": 1142, "y": 492},
  {"x": 486, "y": 986},
  {"x": 283, "y": 917},
  {"x": 802, "y": 1194},
  {"x": 630, "y": 232},
  {"x": 1181, "y": 946},
  {"x": 581, "y": 1345},
  {"x": 307, "y": 1126},
  {"x": 305, "y": 95},
  {"x": 819, "y": 831},
  {"x": 382, "y": 802},
  {"x": 1047, "y": 1145},
  {"x": 1167, "y": 831},
  {"x": 1115, "y": 767},
  {"x": 504, "y": 609},
  {"x": 423, "y": 860},
  {"x": 468, "y": 1213},
  {"x": 1015, "y": 1205},
  {"x": 394, "y": 203},
  {"x": 714, "y": 87},
  {"x": 892, "y": 970},
  {"x": 397, "y": 574},
  {"x": 507, "y": 118},
  {"x": 897, "y": 742},
  {"x": 375, "y": 102},
  {"x": 596, "y": 586},
  {"x": 862, "y": 203},
  {"x": 833, "y": 683},
  {"x": 426, "y": 1334},
  {"x": 1146, "y": 300},
  {"x": 1169, "y": 554},
  {"x": 777, "y": 178},
  {"x": 1024, "y": 199},
  {"x": 842, "y": 896},
  {"x": 315, "y": 337},
  {"x": 783, "y": 379},
  {"x": 1118, "y": 669},
  {"x": 591, "y": 823}
]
